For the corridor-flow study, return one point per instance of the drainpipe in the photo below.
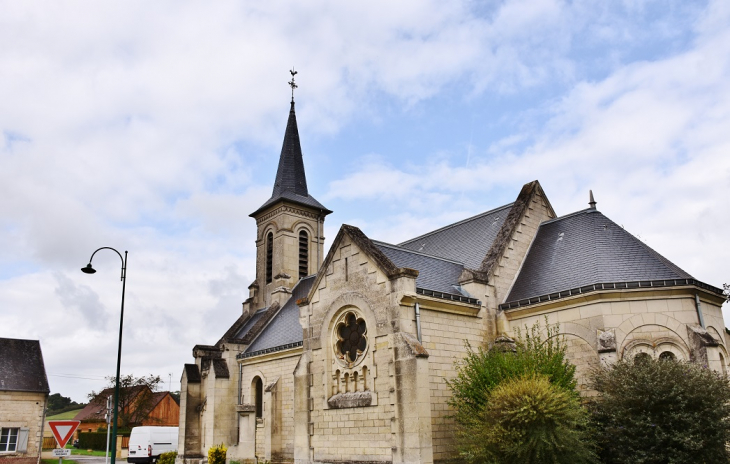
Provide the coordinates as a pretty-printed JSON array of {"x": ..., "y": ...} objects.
[
  {"x": 699, "y": 310},
  {"x": 418, "y": 322},
  {"x": 43, "y": 424}
]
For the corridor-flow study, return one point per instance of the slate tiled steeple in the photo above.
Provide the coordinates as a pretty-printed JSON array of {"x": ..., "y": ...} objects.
[{"x": 291, "y": 181}]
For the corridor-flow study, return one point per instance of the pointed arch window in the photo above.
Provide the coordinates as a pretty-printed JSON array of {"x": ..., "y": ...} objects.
[
  {"x": 303, "y": 254},
  {"x": 269, "y": 256},
  {"x": 259, "y": 396}
]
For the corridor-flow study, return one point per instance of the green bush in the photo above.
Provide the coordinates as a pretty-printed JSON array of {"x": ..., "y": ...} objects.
[
  {"x": 529, "y": 420},
  {"x": 661, "y": 412},
  {"x": 97, "y": 440},
  {"x": 217, "y": 454},
  {"x": 482, "y": 370},
  {"x": 93, "y": 440},
  {"x": 167, "y": 458}
]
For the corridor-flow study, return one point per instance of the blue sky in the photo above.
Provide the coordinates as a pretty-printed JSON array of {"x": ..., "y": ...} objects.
[{"x": 156, "y": 128}]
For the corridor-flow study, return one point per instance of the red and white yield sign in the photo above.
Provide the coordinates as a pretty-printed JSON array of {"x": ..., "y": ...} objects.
[{"x": 63, "y": 430}]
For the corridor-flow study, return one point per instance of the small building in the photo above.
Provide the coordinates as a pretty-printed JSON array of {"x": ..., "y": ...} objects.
[
  {"x": 23, "y": 396},
  {"x": 162, "y": 407}
]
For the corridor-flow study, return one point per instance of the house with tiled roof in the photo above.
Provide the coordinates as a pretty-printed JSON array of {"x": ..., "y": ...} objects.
[
  {"x": 23, "y": 395},
  {"x": 343, "y": 357},
  {"x": 153, "y": 408}
]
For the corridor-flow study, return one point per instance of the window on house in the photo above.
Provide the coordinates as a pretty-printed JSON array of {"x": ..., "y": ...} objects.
[
  {"x": 259, "y": 387},
  {"x": 667, "y": 356},
  {"x": 269, "y": 256},
  {"x": 303, "y": 254},
  {"x": 8, "y": 439}
]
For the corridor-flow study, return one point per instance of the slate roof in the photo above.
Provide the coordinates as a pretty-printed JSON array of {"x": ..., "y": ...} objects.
[
  {"x": 250, "y": 323},
  {"x": 586, "y": 248},
  {"x": 21, "y": 366},
  {"x": 434, "y": 273},
  {"x": 291, "y": 180},
  {"x": 284, "y": 328},
  {"x": 466, "y": 241}
]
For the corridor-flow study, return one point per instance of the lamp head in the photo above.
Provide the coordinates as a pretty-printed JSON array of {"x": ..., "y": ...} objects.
[{"x": 88, "y": 269}]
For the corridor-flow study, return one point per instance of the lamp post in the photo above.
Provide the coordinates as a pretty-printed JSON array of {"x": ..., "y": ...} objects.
[{"x": 90, "y": 270}]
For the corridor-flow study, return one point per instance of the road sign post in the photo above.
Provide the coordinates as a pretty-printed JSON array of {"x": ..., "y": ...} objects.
[{"x": 62, "y": 430}]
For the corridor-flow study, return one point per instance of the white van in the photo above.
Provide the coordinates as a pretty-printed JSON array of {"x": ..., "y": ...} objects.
[{"x": 147, "y": 443}]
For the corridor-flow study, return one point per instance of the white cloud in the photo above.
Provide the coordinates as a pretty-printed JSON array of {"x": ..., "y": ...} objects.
[{"x": 154, "y": 128}]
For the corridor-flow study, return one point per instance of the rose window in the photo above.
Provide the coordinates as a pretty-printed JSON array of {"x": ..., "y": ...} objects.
[{"x": 351, "y": 338}]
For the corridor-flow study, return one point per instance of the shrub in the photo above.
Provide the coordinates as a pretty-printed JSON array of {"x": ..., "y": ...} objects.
[
  {"x": 529, "y": 420},
  {"x": 661, "y": 412},
  {"x": 93, "y": 440},
  {"x": 217, "y": 454},
  {"x": 482, "y": 370},
  {"x": 483, "y": 373},
  {"x": 167, "y": 458}
]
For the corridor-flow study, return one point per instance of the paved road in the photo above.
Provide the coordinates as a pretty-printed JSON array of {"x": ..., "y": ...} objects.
[{"x": 90, "y": 459}]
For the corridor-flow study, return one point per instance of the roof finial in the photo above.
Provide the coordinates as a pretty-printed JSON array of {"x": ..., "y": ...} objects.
[
  {"x": 591, "y": 202},
  {"x": 292, "y": 84}
]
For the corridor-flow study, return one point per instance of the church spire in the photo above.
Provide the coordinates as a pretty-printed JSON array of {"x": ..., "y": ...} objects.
[{"x": 291, "y": 181}]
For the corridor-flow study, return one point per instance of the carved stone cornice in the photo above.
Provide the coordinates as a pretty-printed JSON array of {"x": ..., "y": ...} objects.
[{"x": 286, "y": 209}]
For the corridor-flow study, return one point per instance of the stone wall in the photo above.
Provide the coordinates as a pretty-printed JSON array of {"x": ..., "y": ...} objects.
[
  {"x": 374, "y": 409},
  {"x": 444, "y": 336},
  {"x": 23, "y": 410},
  {"x": 274, "y": 432},
  {"x": 538, "y": 210},
  {"x": 636, "y": 321}
]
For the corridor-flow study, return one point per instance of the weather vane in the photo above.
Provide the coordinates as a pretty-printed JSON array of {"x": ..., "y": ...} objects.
[{"x": 292, "y": 84}]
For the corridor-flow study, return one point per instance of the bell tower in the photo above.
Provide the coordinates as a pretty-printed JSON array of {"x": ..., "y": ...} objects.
[{"x": 289, "y": 226}]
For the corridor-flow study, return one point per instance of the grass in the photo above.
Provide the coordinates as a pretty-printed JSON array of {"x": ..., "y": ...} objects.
[
  {"x": 64, "y": 415},
  {"x": 83, "y": 452},
  {"x": 55, "y": 461}
]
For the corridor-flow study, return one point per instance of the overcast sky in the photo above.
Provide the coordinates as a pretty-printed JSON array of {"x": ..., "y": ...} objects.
[{"x": 155, "y": 127}]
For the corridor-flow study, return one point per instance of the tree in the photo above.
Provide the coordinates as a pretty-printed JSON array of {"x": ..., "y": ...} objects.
[
  {"x": 520, "y": 404},
  {"x": 136, "y": 395},
  {"x": 661, "y": 411},
  {"x": 58, "y": 404}
]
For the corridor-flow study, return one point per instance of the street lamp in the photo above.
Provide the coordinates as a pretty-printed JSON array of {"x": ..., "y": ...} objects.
[{"x": 90, "y": 270}]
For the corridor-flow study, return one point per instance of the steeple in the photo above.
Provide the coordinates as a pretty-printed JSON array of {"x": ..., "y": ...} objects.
[
  {"x": 291, "y": 181},
  {"x": 289, "y": 241}
]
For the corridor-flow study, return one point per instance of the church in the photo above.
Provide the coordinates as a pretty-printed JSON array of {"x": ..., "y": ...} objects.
[{"x": 343, "y": 357}]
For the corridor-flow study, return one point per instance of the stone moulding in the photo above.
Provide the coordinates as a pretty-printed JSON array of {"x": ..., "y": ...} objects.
[
  {"x": 350, "y": 400},
  {"x": 245, "y": 408}
]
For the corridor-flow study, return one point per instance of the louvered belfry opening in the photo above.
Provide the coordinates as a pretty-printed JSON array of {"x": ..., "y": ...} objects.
[
  {"x": 269, "y": 256},
  {"x": 303, "y": 254}
]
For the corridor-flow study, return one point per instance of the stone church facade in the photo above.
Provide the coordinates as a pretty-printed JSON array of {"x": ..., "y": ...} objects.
[{"x": 342, "y": 358}]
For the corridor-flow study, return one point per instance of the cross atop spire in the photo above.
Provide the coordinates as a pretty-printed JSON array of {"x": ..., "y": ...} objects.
[{"x": 292, "y": 84}]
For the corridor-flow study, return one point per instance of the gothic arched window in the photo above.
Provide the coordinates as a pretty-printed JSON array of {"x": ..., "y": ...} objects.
[
  {"x": 269, "y": 256},
  {"x": 303, "y": 254},
  {"x": 259, "y": 393}
]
